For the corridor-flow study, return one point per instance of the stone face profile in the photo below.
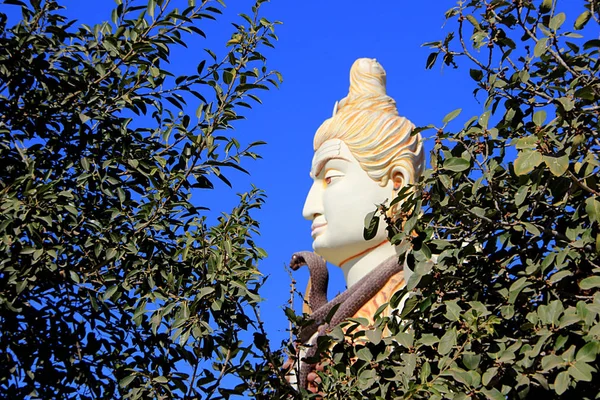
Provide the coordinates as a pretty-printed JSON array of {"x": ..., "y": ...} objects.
[{"x": 364, "y": 154}]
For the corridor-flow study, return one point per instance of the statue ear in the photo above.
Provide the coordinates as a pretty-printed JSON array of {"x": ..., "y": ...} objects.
[
  {"x": 398, "y": 179},
  {"x": 400, "y": 176}
]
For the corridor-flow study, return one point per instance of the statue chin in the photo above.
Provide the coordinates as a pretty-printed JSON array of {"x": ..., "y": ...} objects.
[
  {"x": 339, "y": 252},
  {"x": 334, "y": 255}
]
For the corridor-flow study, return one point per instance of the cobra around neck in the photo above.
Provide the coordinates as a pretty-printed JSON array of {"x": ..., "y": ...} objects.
[{"x": 364, "y": 263}]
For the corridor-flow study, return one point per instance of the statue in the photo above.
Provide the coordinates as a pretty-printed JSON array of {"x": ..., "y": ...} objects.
[{"x": 364, "y": 154}]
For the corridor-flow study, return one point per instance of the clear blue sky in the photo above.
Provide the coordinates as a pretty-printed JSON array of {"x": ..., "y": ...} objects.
[{"x": 319, "y": 40}]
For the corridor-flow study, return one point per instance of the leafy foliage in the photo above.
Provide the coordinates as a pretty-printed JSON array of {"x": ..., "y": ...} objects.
[
  {"x": 112, "y": 284},
  {"x": 503, "y": 232}
]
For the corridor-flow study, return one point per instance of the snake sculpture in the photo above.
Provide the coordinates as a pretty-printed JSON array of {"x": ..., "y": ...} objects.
[{"x": 350, "y": 301}]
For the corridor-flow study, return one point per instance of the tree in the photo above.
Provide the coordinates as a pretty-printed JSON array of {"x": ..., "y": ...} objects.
[
  {"x": 503, "y": 230},
  {"x": 112, "y": 284}
]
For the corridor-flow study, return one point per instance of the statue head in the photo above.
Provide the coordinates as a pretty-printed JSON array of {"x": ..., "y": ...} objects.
[{"x": 364, "y": 154}]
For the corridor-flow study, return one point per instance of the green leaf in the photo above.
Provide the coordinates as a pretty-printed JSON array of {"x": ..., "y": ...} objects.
[
  {"x": 582, "y": 20},
  {"x": 516, "y": 288},
  {"x": 590, "y": 283},
  {"x": 527, "y": 142},
  {"x": 227, "y": 77},
  {"x": 546, "y": 6},
  {"x": 84, "y": 118},
  {"x": 567, "y": 103},
  {"x": 431, "y": 60},
  {"x": 526, "y": 161},
  {"x": 109, "y": 292},
  {"x": 493, "y": 394},
  {"x": 409, "y": 304},
  {"x": 126, "y": 381},
  {"x": 74, "y": 276},
  {"x": 521, "y": 195},
  {"x": 428, "y": 339},
  {"x": 581, "y": 371},
  {"x": 456, "y": 164},
  {"x": 447, "y": 342},
  {"x": 480, "y": 212},
  {"x": 561, "y": 383},
  {"x": 551, "y": 361},
  {"x": 476, "y": 74},
  {"x": 405, "y": 339},
  {"x": 151, "y": 7},
  {"x": 484, "y": 119},
  {"x": 557, "y": 21},
  {"x": 471, "y": 361},
  {"x": 110, "y": 254},
  {"x": 450, "y": 116},
  {"x": 371, "y": 225},
  {"x": 592, "y": 208},
  {"x": 425, "y": 372},
  {"x": 588, "y": 352},
  {"x": 374, "y": 336},
  {"x": 453, "y": 311},
  {"x": 489, "y": 375},
  {"x": 557, "y": 165},
  {"x": 539, "y": 117},
  {"x": 540, "y": 47},
  {"x": 531, "y": 228}
]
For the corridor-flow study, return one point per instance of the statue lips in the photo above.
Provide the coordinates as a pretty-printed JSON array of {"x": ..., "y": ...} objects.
[{"x": 316, "y": 228}]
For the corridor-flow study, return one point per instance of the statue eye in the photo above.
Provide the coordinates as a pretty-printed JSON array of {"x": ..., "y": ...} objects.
[{"x": 331, "y": 177}]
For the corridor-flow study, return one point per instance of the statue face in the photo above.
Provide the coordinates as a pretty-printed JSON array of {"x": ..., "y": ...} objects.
[{"x": 341, "y": 196}]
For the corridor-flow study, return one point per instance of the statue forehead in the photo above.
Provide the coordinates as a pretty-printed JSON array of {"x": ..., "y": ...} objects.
[{"x": 330, "y": 149}]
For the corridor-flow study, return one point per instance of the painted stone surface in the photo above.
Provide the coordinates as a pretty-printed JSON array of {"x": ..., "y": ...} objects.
[{"x": 364, "y": 154}]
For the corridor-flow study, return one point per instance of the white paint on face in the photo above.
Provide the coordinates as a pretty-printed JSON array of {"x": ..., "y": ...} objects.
[{"x": 341, "y": 196}]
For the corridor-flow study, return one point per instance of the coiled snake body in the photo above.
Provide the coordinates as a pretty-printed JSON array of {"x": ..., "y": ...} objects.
[{"x": 350, "y": 301}]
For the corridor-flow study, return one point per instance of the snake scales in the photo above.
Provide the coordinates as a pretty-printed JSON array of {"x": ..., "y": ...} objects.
[{"x": 350, "y": 301}]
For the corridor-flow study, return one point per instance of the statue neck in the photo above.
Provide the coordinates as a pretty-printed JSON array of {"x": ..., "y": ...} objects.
[{"x": 361, "y": 265}]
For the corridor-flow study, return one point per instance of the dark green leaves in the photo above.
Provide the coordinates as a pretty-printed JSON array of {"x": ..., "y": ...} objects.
[
  {"x": 504, "y": 251},
  {"x": 476, "y": 74},
  {"x": 557, "y": 21},
  {"x": 123, "y": 287},
  {"x": 450, "y": 116},
  {"x": 447, "y": 342},
  {"x": 592, "y": 208},
  {"x": 582, "y": 20},
  {"x": 526, "y": 161},
  {"x": 371, "y": 225},
  {"x": 540, "y": 47},
  {"x": 557, "y": 165},
  {"x": 456, "y": 164},
  {"x": 539, "y": 117}
]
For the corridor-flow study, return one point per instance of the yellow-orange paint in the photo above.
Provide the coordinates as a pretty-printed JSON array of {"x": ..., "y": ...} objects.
[{"x": 362, "y": 252}]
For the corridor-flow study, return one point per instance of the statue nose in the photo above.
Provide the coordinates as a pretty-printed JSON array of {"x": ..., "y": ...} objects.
[{"x": 313, "y": 206}]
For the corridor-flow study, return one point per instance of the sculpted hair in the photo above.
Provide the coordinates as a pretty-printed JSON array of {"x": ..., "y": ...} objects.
[{"x": 367, "y": 121}]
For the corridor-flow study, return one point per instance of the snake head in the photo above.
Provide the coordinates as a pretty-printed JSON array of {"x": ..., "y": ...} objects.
[{"x": 297, "y": 261}]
